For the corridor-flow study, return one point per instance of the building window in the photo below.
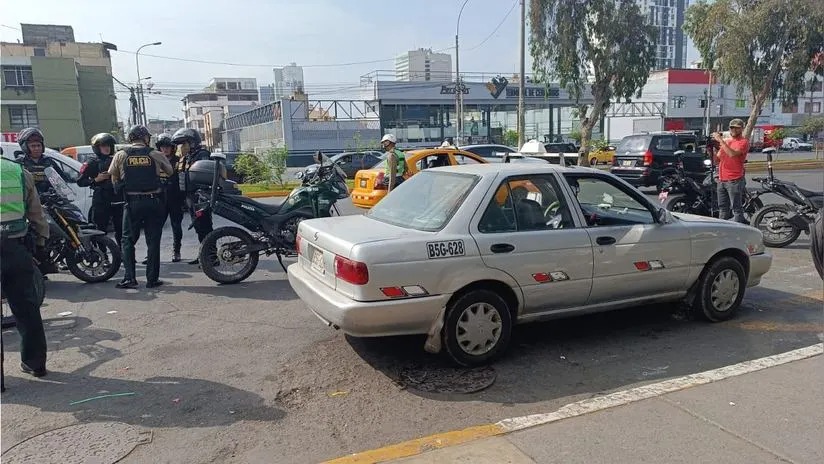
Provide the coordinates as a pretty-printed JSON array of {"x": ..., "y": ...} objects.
[
  {"x": 740, "y": 103},
  {"x": 39, "y": 52},
  {"x": 816, "y": 107},
  {"x": 789, "y": 108},
  {"x": 18, "y": 76},
  {"x": 198, "y": 110},
  {"x": 677, "y": 102},
  {"x": 22, "y": 116},
  {"x": 232, "y": 85},
  {"x": 221, "y": 86}
]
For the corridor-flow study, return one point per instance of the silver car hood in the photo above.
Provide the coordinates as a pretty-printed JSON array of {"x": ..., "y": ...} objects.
[{"x": 696, "y": 218}]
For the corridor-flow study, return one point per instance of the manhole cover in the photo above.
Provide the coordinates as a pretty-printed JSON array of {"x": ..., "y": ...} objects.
[
  {"x": 441, "y": 379},
  {"x": 98, "y": 442}
]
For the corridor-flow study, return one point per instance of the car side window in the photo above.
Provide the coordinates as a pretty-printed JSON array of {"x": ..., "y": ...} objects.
[
  {"x": 463, "y": 159},
  {"x": 527, "y": 203},
  {"x": 605, "y": 202},
  {"x": 433, "y": 161},
  {"x": 665, "y": 143}
]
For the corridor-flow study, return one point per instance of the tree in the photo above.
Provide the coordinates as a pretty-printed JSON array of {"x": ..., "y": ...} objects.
[
  {"x": 251, "y": 168},
  {"x": 511, "y": 138},
  {"x": 763, "y": 46},
  {"x": 599, "y": 48},
  {"x": 275, "y": 159},
  {"x": 813, "y": 126}
]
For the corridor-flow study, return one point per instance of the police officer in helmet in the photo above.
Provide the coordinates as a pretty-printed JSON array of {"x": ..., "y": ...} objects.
[
  {"x": 33, "y": 144},
  {"x": 191, "y": 151},
  {"x": 174, "y": 198},
  {"x": 136, "y": 170},
  {"x": 106, "y": 205},
  {"x": 20, "y": 209}
]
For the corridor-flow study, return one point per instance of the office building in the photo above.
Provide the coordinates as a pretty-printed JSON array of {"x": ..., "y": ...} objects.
[
  {"x": 423, "y": 65},
  {"x": 288, "y": 80},
  {"x": 668, "y": 17}
]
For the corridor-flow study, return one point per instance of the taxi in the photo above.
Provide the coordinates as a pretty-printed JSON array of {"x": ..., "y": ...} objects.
[
  {"x": 602, "y": 156},
  {"x": 369, "y": 183}
]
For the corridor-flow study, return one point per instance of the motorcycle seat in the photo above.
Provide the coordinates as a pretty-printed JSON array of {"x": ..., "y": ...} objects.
[
  {"x": 809, "y": 193},
  {"x": 269, "y": 208}
]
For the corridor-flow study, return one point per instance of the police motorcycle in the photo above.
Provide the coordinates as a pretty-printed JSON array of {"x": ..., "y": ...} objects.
[
  {"x": 681, "y": 193},
  {"x": 229, "y": 254},
  {"x": 88, "y": 253},
  {"x": 781, "y": 225}
]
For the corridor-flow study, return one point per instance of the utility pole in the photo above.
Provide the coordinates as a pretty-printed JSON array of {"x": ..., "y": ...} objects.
[
  {"x": 522, "y": 78},
  {"x": 458, "y": 83},
  {"x": 707, "y": 107},
  {"x": 140, "y": 83},
  {"x": 134, "y": 110}
]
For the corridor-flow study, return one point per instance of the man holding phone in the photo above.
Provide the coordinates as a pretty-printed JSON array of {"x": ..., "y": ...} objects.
[
  {"x": 107, "y": 205},
  {"x": 731, "y": 154}
]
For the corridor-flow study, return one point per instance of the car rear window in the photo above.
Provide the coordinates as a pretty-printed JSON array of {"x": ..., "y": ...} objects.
[
  {"x": 427, "y": 201},
  {"x": 634, "y": 143}
]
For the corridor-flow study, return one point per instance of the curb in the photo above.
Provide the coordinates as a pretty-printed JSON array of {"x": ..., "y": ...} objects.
[{"x": 620, "y": 398}]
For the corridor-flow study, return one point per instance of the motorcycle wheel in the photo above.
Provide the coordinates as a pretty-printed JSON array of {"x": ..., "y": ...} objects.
[
  {"x": 105, "y": 265},
  {"x": 677, "y": 204},
  {"x": 777, "y": 232},
  {"x": 214, "y": 256}
]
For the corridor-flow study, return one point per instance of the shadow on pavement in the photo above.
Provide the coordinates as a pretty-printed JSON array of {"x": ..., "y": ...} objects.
[
  {"x": 165, "y": 401},
  {"x": 589, "y": 355}
]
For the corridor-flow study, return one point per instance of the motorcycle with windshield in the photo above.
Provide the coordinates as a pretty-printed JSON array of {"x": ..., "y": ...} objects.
[
  {"x": 683, "y": 194},
  {"x": 88, "y": 253},
  {"x": 230, "y": 254},
  {"x": 781, "y": 225}
]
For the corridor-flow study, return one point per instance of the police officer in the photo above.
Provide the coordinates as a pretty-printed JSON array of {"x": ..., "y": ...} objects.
[
  {"x": 191, "y": 151},
  {"x": 106, "y": 205},
  {"x": 32, "y": 143},
  {"x": 137, "y": 170},
  {"x": 19, "y": 208},
  {"x": 395, "y": 161},
  {"x": 174, "y": 198}
]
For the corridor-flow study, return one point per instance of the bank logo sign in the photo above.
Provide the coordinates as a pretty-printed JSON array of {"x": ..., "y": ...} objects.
[{"x": 497, "y": 86}]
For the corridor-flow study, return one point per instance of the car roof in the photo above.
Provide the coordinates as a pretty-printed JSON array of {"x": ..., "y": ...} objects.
[
  {"x": 482, "y": 145},
  {"x": 512, "y": 169},
  {"x": 433, "y": 151},
  {"x": 9, "y": 147}
]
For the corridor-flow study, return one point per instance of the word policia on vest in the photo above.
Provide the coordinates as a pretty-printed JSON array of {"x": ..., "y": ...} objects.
[{"x": 139, "y": 161}]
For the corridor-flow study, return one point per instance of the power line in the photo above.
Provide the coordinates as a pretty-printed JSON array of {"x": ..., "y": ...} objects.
[{"x": 496, "y": 27}]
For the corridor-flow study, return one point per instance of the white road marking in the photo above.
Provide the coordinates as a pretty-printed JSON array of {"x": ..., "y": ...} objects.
[{"x": 632, "y": 395}]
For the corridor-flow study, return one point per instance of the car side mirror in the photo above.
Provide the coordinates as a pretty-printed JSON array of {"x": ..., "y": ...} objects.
[
  {"x": 662, "y": 216},
  {"x": 299, "y": 175}
]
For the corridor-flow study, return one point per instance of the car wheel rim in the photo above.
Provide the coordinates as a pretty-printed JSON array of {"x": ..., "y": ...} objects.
[
  {"x": 724, "y": 290},
  {"x": 478, "y": 329}
]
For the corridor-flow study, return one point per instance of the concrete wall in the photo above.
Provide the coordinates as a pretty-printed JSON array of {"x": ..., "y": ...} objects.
[
  {"x": 98, "y": 100},
  {"x": 58, "y": 101}
]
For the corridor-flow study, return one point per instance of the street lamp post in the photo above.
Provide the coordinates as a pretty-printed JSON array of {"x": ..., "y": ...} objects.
[
  {"x": 140, "y": 84},
  {"x": 458, "y": 83}
]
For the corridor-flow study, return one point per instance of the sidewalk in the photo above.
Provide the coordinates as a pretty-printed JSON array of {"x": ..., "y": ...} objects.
[{"x": 771, "y": 415}]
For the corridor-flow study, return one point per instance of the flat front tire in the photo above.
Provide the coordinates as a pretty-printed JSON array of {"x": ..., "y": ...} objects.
[{"x": 477, "y": 328}]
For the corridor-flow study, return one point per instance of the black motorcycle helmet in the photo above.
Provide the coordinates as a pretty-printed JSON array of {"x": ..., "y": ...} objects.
[
  {"x": 163, "y": 140},
  {"x": 184, "y": 135},
  {"x": 30, "y": 134},
  {"x": 138, "y": 133},
  {"x": 103, "y": 138}
]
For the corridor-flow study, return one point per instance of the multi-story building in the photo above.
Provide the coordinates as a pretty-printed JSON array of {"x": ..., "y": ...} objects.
[
  {"x": 668, "y": 17},
  {"x": 164, "y": 126},
  {"x": 288, "y": 80},
  {"x": 423, "y": 65},
  {"x": 61, "y": 86},
  {"x": 267, "y": 94},
  {"x": 220, "y": 93}
]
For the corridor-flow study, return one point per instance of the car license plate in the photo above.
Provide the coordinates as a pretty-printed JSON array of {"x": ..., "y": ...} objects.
[
  {"x": 627, "y": 163},
  {"x": 317, "y": 260},
  {"x": 363, "y": 183},
  {"x": 446, "y": 249}
]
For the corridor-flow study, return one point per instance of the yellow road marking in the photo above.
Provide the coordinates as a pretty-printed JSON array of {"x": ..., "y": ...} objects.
[{"x": 420, "y": 445}]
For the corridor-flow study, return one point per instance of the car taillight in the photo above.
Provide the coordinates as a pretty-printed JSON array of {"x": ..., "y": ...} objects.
[
  {"x": 297, "y": 244},
  {"x": 350, "y": 271},
  {"x": 648, "y": 158},
  {"x": 379, "y": 185}
]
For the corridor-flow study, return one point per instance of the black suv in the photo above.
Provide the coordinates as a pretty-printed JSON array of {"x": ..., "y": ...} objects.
[{"x": 642, "y": 159}]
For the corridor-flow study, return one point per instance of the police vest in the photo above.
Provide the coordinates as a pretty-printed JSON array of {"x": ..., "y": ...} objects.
[
  {"x": 38, "y": 172},
  {"x": 186, "y": 162},
  {"x": 12, "y": 200},
  {"x": 401, "y": 168},
  {"x": 140, "y": 171}
]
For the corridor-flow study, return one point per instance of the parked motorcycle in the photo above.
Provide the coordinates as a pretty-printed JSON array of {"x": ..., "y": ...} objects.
[
  {"x": 781, "y": 225},
  {"x": 682, "y": 194},
  {"x": 88, "y": 253},
  {"x": 229, "y": 255}
]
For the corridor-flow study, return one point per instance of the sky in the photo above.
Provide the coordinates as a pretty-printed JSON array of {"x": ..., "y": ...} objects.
[{"x": 323, "y": 36}]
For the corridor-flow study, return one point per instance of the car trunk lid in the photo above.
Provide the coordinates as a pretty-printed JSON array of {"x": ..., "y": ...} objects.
[{"x": 365, "y": 180}]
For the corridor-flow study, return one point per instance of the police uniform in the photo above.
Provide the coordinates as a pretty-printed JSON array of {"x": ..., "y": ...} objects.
[
  {"x": 400, "y": 168},
  {"x": 174, "y": 203},
  {"x": 107, "y": 205},
  {"x": 203, "y": 224},
  {"x": 37, "y": 169},
  {"x": 136, "y": 171},
  {"x": 20, "y": 208}
]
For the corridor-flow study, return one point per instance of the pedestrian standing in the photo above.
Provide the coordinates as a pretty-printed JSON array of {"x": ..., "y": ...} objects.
[
  {"x": 191, "y": 151},
  {"x": 20, "y": 208},
  {"x": 173, "y": 199},
  {"x": 137, "y": 170},
  {"x": 395, "y": 162},
  {"x": 107, "y": 206},
  {"x": 731, "y": 154}
]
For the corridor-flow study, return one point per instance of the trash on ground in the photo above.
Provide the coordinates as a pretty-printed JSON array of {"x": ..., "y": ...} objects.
[
  {"x": 338, "y": 393},
  {"x": 111, "y": 395},
  {"x": 65, "y": 313}
]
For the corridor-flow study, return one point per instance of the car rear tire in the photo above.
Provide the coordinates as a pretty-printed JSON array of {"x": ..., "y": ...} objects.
[
  {"x": 720, "y": 289},
  {"x": 477, "y": 328}
]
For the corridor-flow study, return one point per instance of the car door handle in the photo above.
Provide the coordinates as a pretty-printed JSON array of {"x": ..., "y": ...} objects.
[
  {"x": 605, "y": 240},
  {"x": 502, "y": 248}
]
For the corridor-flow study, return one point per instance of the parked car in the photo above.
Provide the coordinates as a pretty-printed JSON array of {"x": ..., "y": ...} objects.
[
  {"x": 643, "y": 159},
  {"x": 82, "y": 153},
  {"x": 795, "y": 143},
  {"x": 83, "y": 195},
  {"x": 351, "y": 162},
  {"x": 489, "y": 151},
  {"x": 465, "y": 253},
  {"x": 369, "y": 183},
  {"x": 604, "y": 155}
]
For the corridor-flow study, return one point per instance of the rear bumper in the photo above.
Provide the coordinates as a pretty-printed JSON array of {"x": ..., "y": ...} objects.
[
  {"x": 366, "y": 198},
  {"x": 759, "y": 265},
  {"x": 361, "y": 318},
  {"x": 639, "y": 177}
]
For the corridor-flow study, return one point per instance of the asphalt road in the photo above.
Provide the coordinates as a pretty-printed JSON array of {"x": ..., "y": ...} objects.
[{"x": 246, "y": 373}]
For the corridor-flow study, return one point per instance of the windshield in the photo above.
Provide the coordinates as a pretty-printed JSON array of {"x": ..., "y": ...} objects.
[
  {"x": 427, "y": 201},
  {"x": 59, "y": 184},
  {"x": 633, "y": 144}
]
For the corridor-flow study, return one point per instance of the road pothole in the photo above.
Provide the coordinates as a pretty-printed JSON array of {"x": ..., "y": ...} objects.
[
  {"x": 447, "y": 379},
  {"x": 98, "y": 442}
]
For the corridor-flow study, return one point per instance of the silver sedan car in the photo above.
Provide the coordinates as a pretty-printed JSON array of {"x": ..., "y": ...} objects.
[{"x": 463, "y": 253}]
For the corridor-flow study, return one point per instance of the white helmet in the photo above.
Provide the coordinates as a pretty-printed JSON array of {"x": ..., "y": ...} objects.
[{"x": 389, "y": 138}]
